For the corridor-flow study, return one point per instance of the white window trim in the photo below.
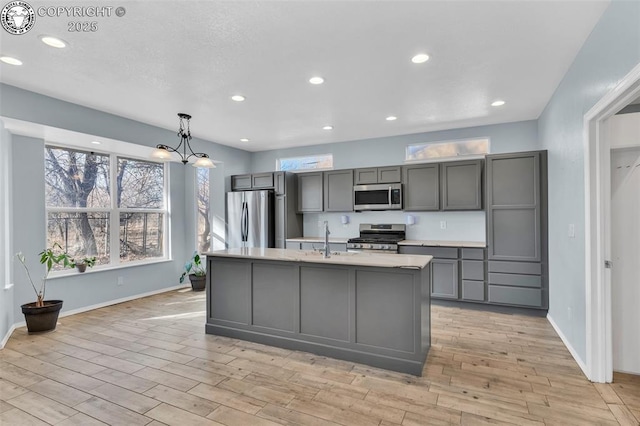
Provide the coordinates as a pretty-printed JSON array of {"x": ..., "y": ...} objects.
[
  {"x": 279, "y": 160},
  {"x": 115, "y": 211},
  {"x": 447, "y": 159}
]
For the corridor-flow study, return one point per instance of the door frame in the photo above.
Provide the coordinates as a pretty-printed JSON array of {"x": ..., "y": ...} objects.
[{"x": 597, "y": 180}]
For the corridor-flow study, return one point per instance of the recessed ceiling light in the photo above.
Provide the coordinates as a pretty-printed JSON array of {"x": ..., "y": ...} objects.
[
  {"x": 53, "y": 41},
  {"x": 327, "y": 128},
  {"x": 10, "y": 60},
  {"x": 95, "y": 142},
  {"x": 391, "y": 118},
  {"x": 497, "y": 103},
  {"x": 316, "y": 80},
  {"x": 244, "y": 140},
  {"x": 238, "y": 98},
  {"x": 420, "y": 58}
]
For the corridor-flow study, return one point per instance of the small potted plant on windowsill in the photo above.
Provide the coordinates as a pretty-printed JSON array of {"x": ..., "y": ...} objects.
[
  {"x": 197, "y": 273},
  {"x": 42, "y": 315},
  {"x": 82, "y": 264}
]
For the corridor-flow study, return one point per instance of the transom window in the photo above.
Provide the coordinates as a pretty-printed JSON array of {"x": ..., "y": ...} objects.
[
  {"x": 107, "y": 206},
  {"x": 310, "y": 162},
  {"x": 447, "y": 149}
]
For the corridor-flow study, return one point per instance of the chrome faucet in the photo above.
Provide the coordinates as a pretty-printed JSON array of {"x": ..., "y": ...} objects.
[{"x": 326, "y": 253}]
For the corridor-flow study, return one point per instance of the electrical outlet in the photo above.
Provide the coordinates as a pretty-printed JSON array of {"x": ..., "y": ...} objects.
[
  {"x": 120, "y": 280},
  {"x": 572, "y": 230},
  {"x": 443, "y": 224}
]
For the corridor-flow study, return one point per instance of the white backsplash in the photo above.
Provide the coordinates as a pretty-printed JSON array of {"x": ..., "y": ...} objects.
[{"x": 460, "y": 226}]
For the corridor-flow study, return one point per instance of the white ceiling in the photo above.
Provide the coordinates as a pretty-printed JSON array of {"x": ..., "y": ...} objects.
[{"x": 165, "y": 57}]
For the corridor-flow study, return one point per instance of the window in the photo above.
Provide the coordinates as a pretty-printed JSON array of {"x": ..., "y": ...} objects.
[
  {"x": 322, "y": 161},
  {"x": 203, "y": 225},
  {"x": 106, "y": 206},
  {"x": 450, "y": 149}
]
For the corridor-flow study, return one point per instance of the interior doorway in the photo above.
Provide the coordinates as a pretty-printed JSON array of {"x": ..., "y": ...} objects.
[{"x": 598, "y": 228}]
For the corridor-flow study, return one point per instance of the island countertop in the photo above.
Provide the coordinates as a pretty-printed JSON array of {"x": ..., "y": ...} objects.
[{"x": 409, "y": 261}]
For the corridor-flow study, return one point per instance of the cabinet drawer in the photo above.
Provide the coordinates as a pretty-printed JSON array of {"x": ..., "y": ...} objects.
[
  {"x": 515, "y": 296},
  {"x": 473, "y": 270},
  {"x": 533, "y": 268},
  {"x": 473, "y": 290},
  {"x": 515, "y": 280},
  {"x": 262, "y": 180},
  {"x": 437, "y": 252},
  {"x": 473, "y": 253}
]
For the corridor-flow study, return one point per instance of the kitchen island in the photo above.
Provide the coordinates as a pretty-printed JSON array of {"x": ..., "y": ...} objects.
[{"x": 368, "y": 308}]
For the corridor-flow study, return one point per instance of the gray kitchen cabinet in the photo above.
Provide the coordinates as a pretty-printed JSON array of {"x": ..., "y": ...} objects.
[
  {"x": 369, "y": 175},
  {"x": 319, "y": 245},
  {"x": 252, "y": 181},
  {"x": 292, "y": 245},
  {"x": 461, "y": 184},
  {"x": 279, "y": 183},
  {"x": 338, "y": 191},
  {"x": 310, "y": 192},
  {"x": 516, "y": 198},
  {"x": 444, "y": 278},
  {"x": 288, "y": 222},
  {"x": 421, "y": 187}
]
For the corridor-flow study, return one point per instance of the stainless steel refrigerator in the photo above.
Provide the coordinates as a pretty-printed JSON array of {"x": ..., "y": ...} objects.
[{"x": 250, "y": 219}]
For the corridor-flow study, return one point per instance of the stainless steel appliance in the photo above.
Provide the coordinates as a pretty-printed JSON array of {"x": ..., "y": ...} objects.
[
  {"x": 250, "y": 219},
  {"x": 382, "y": 238},
  {"x": 386, "y": 196}
]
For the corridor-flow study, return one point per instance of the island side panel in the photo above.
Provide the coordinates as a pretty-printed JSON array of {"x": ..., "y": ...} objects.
[
  {"x": 229, "y": 290},
  {"x": 275, "y": 295}
]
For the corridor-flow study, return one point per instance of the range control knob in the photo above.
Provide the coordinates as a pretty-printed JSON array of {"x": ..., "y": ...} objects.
[
  {"x": 385, "y": 247},
  {"x": 357, "y": 246}
]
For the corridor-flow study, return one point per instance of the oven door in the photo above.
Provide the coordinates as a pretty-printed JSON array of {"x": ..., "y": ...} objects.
[{"x": 377, "y": 197}]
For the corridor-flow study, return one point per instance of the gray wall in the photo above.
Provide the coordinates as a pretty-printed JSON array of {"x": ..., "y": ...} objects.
[
  {"x": 610, "y": 52},
  {"x": 80, "y": 291},
  {"x": 465, "y": 226},
  {"x": 6, "y": 250}
]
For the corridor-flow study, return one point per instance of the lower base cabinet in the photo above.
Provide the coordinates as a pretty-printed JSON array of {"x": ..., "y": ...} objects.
[{"x": 444, "y": 278}]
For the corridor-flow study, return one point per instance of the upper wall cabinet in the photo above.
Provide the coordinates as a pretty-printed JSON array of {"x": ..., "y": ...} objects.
[
  {"x": 391, "y": 174},
  {"x": 252, "y": 181},
  {"x": 421, "y": 187},
  {"x": 310, "y": 192},
  {"x": 461, "y": 185},
  {"x": 338, "y": 191}
]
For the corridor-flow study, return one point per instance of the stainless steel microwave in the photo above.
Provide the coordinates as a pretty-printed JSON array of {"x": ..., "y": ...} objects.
[{"x": 386, "y": 196}]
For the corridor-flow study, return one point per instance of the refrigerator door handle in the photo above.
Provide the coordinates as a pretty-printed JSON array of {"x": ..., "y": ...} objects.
[{"x": 243, "y": 222}]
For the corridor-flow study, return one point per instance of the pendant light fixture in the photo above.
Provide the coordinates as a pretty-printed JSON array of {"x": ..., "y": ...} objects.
[{"x": 163, "y": 152}]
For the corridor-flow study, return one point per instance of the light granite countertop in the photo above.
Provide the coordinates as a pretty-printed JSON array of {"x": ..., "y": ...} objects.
[
  {"x": 337, "y": 258},
  {"x": 435, "y": 243},
  {"x": 317, "y": 240}
]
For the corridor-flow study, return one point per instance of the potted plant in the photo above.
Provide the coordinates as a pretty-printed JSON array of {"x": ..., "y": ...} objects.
[
  {"x": 42, "y": 315},
  {"x": 83, "y": 263},
  {"x": 197, "y": 273}
]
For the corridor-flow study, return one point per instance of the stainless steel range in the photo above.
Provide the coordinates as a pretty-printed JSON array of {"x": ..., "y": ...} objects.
[{"x": 382, "y": 238}]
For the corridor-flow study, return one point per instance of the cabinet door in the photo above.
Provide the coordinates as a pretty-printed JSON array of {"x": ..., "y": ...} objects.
[
  {"x": 421, "y": 187},
  {"x": 310, "y": 193},
  {"x": 279, "y": 183},
  {"x": 240, "y": 182},
  {"x": 461, "y": 185},
  {"x": 444, "y": 278},
  {"x": 292, "y": 245},
  {"x": 366, "y": 176},
  {"x": 281, "y": 221},
  {"x": 389, "y": 174},
  {"x": 513, "y": 207},
  {"x": 262, "y": 180},
  {"x": 338, "y": 191}
]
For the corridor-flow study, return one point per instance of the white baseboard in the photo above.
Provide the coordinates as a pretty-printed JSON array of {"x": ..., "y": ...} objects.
[
  {"x": 97, "y": 306},
  {"x": 564, "y": 339}
]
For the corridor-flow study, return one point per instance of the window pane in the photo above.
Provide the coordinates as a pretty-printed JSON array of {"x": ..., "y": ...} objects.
[
  {"x": 203, "y": 236},
  {"x": 323, "y": 161},
  {"x": 76, "y": 178},
  {"x": 140, "y": 184},
  {"x": 80, "y": 234},
  {"x": 141, "y": 236},
  {"x": 426, "y": 151}
]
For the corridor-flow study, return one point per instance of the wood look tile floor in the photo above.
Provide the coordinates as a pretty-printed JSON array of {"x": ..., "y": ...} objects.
[{"x": 149, "y": 362}]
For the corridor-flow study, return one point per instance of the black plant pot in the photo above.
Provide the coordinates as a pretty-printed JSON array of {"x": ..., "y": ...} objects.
[
  {"x": 198, "y": 283},
  {"x": 43, "y": 318},
  {"x": 81, "y": 267}
]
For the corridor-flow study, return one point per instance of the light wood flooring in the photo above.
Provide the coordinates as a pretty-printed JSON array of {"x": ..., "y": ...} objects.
[{"x": 149, "y": 362}]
